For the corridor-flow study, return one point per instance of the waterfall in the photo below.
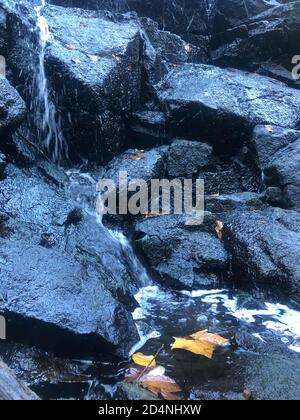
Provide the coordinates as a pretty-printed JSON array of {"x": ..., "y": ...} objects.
[{"x": 46, "y": 119}]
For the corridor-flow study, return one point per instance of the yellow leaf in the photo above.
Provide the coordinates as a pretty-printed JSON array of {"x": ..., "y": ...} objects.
[
  {"x": 143, "y": 360},
  {"x": 202, "y": 343},
  {"x": 188, "y": 48}
]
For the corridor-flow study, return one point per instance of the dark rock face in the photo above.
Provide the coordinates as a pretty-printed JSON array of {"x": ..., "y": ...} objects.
[
  {"x": 12, "y": 108},
  {"x": 47, "y": 225},
  {"x": 102, "y": 75},
  {"x": 277, "y": 156},
  {"x": 263, "y": 246},
  {"x": 265, "y": 36},
  {"x": 187, "y": 158},
  {"x": 111, "y": 5},
  {"x": 180, "y": 256},
  {"x": 56, "y": 291},
  {"x": 223, "y": 106},
  {"x": 11, "y": 389}
]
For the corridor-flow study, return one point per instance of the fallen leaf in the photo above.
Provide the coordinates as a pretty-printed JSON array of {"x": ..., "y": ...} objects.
[
  {"x": 161, "y": 385},
  {"x": 188, "y": 48},
  {"x": 136, "y": 157},
  {"x": 94, "y": 58},
  {"x": 269, "y": 128},
  {"x": 143, "y": 360},
  {"x": 202, "y": 343},
  {"x": 70, "y": 47},
  {"x": 219, "y": 229},
  {"x": 247, "y": 394},
  {"x": 76, "y": 61}
]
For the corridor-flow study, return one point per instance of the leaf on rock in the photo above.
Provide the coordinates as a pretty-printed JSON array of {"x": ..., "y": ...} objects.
[
  {"x": 94, "y": 58},
  {"x": 188, "y": 48},
  {"x": 269, "y": 128},
  {"x": 143, "y": 360},
  {"x": 71, "y": 47},
  {"x": 136, "y": 157},
  {"x": 202, "y": 343},
  {"x": 219, "y": 229}
]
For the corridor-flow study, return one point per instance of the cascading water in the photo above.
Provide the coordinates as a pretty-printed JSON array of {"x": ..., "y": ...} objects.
[{"x": 46, "y": 119}]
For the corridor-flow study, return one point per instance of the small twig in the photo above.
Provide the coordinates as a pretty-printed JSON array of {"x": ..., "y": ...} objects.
[
  {"x": 149, "y": 364},
  {"x": 34, "y": 146}
]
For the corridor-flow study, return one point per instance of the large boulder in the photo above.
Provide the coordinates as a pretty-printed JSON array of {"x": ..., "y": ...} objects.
[
  {"x": 259, "y": 38},
  {"x": 46, "y": 293},
  {"x": 277, "y": 157},
  {"x": 12, "y": 108},
  {"x": 223, "y": 106},
  {"x": 182, "y": 257},
  {"x": 263, "y": 247},
  {"x": 93, "y": 80}
]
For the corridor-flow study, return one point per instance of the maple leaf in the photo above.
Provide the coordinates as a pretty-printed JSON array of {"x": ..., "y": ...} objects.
[
  {"x": 202, "y": 343},
  {"x": 143, "y": 360}
]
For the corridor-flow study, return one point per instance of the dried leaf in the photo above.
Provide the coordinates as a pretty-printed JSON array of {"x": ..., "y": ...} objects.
[
  {"x": 161, "y": 385},
  {"x": 269, "y": 128},
  {"x": 136, "y": 157},
  {"x": 143, "y": 360},
  {"x": 202, "y": 343},
  {"x": 247, "y": 394},
  {"x": 94, "y": 58},
  {"x": 188, "y": 48},
  {"x": 70, "y": 47},
  {"x": 76, "y": 61},
  {"x": 219, "y": 229}
]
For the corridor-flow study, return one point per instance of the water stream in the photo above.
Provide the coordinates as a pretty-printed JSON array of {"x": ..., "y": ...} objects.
[{"x": 46, "y": 119}]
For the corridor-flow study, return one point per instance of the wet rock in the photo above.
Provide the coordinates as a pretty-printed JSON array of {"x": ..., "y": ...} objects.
[
  {"x": 229, "y": 202},
  {"x": 230, "y": 13},
  {"x": 277, "y": 157},
  {"x": 263, "y": 37},
  {"x": 11, "y": 388},
  {"x": 132, "y": 392},
  {"x": 12, "y": 108},
  {"x": 3, "y": 33},
  {"x": 183, "y": 17},
  {"x": 221, "y": 180},
  {"x": 47, "y": 292},
  {"x": 263, "y": 245},
  {"x": 223, "y": 106},
  {"x": 147, "y": 128},
  {"x": 145, "y": 165},
  {"x": 281, "y": 69},
  {"x": 181, "y": 257},
  {"x": 187, "y": 158},
  {"x": 94, "y": 81},
  {"x": 2, "y": 165},
  {"x": 111, "y": 5},
  {"x": 273, "y": 376}
]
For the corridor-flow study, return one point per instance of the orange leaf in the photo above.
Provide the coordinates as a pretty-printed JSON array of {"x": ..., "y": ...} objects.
[{"x": 136, "y": 157}]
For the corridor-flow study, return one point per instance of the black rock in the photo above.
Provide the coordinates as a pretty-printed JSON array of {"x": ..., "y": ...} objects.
[
  {"x": 188, "y": 158},
  {"x": 263, "y": 246},
  {"x": 276, "y": 152},
  {"x": 12, "y": 109},
  {"x": 45, "y": 292},
  {"x": 223, "y": 106},
  {"x": 260, "y": 38},
  {"x": 181, "y": 257}
]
